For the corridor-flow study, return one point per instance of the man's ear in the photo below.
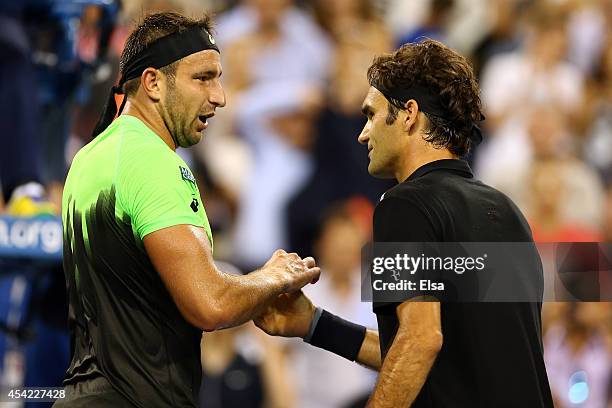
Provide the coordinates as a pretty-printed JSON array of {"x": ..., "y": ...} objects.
[
  {"x": 150, "y": 82},
  {"x": 412, "y": 112}
]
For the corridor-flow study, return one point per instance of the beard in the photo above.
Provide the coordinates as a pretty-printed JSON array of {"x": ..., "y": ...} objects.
[{"x": 175, "y": 119}]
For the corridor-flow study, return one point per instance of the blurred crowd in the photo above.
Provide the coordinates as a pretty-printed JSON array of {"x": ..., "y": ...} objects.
[{"x": 280, "y": 166}]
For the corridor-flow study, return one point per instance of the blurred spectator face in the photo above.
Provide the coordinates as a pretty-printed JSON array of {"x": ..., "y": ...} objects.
[
  {"x": 547, "y": 187},
  {"x": 505, "y": 13},
  {"x": 91, "y": 15},
  {"x": 548, "y": 37},
  {"x": 385, "y": 141},
  {"x": 546, "y": 128},
  {"x": 346, "y": 19},
  {"x": 192, "y": 97},
  {"x": 339, "y": 247},
  {"x": 587, "y": 317},
  {"x": 269, "y": 12},
  {"x": 554, "y": 312},
  {"x": 551, "y": 45},
  {"x": 593, "y": 315}
]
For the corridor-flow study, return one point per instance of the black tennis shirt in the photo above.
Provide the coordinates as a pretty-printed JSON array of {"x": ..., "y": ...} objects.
[{"x": 491, "y": 355}]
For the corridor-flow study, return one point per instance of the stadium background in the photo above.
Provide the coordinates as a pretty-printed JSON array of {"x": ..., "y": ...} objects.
[{"x": 280, "y": 166}]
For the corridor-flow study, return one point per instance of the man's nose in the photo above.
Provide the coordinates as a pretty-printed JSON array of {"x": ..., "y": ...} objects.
[
  {"x": 363, "y": 137},
  {"x": 217, "y": 96}
]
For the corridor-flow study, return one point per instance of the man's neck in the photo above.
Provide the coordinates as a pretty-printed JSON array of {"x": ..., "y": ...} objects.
[
  {"x": 151, "y": 118},
  {"x": 420, "y": 158}
]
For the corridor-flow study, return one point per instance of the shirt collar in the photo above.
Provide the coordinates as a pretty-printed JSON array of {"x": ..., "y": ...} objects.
[{"x": 459, "y": 167}]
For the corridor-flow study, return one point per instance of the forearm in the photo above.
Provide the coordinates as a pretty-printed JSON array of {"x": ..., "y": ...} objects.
[
  {"x": 210, "y": 299},
  {"x": 239, "y": 299},
  {"x": 369, "y": 353},
  {"x": 404, "y": 371}
]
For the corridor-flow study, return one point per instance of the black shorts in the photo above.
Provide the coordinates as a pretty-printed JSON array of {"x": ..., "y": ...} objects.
[{"x": 92, "y": 393}]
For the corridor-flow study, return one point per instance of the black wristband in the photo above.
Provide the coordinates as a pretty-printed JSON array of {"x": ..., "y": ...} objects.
[{"x": 337, "y": 335}]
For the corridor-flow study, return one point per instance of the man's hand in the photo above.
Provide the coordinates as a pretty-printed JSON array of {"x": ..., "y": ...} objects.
[
  {"x": 289, "y": 315},
  {"x": 294, "y": 271}
]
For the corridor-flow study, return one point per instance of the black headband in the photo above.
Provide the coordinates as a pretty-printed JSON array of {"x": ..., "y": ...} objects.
[
  {"x": 428, "y": 103},
  {"x": 158, "y": 54}
]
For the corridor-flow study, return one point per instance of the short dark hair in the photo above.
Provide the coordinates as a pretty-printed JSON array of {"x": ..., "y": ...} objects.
[
  {"x": 444, "y": 72},
  {"x": 154, "y": 27}
]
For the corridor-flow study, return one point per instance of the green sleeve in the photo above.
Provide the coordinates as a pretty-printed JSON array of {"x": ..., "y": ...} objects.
[{"x": 155, "y": 192}]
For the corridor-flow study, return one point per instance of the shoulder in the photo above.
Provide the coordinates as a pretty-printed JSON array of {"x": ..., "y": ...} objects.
[
  {"x": 409, "y": 191},
  {"x": 417, "y": 195},
  {"x": 147, "y": 169},
  {"x": 144, "y": 153},
  {"x": 403, "y": 215}
]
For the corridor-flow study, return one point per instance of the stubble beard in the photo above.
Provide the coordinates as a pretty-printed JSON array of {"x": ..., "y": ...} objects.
[{"x": 172, "y": 108}]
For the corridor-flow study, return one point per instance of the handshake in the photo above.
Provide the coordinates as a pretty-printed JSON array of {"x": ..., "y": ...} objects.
[{"x": 289, "y": 314}]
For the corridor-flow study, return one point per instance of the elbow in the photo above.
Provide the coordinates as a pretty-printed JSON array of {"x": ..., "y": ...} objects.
[
  {"x": 216, "y": 311},
  {"x": 202, "y": 322},
  {"x": 214, "y": 318},
  {"x": 209, "y": 324},
  {"x": 432, "y": 342},
  {"x": 207, "y": 317}
]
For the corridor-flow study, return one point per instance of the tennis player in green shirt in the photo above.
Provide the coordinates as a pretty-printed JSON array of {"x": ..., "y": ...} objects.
[{"x": 137, "y": 243}]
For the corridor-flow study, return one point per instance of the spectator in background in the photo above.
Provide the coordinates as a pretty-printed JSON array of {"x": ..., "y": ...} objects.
[
  {"x": 262, "y": 38},
  {"x": 357, "y": 34},
  {"x": 553, "y": 314},
  {"x": 549, "y": 141},
  {"x": 461, "y": 24},
  {"x": 20, "y": 175},
  {"x": 48, "y": 63},
  {"x": 66, "y": 59},
  {"x": 512, "y": 83},
  {"x": 244, "y": 368},
  {"x": 338, "y": 251},
  {"x": 502, "y": 37},
  {"x": 587, "y": 28},
  {"x": 598, "y": 143},
  {"x": 277, "y": 121},
  {"x": 276, "y": 96},
  {"x": 579, "y": 357},
  {"x": 547, "y": 194},
  {"x": 433, "y": 27}
]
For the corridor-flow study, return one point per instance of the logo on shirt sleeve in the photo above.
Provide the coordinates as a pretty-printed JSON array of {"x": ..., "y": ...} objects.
[
  {"x": 194, "y": 205},
  {"x": 186, "y": 174}
]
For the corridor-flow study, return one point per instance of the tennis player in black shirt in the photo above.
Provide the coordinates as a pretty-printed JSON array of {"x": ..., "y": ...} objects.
[{"x": 423, "y": 109}]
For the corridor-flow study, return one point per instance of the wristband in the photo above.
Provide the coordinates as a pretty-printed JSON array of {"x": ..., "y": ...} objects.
[{"x": 335, "y": 334}]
